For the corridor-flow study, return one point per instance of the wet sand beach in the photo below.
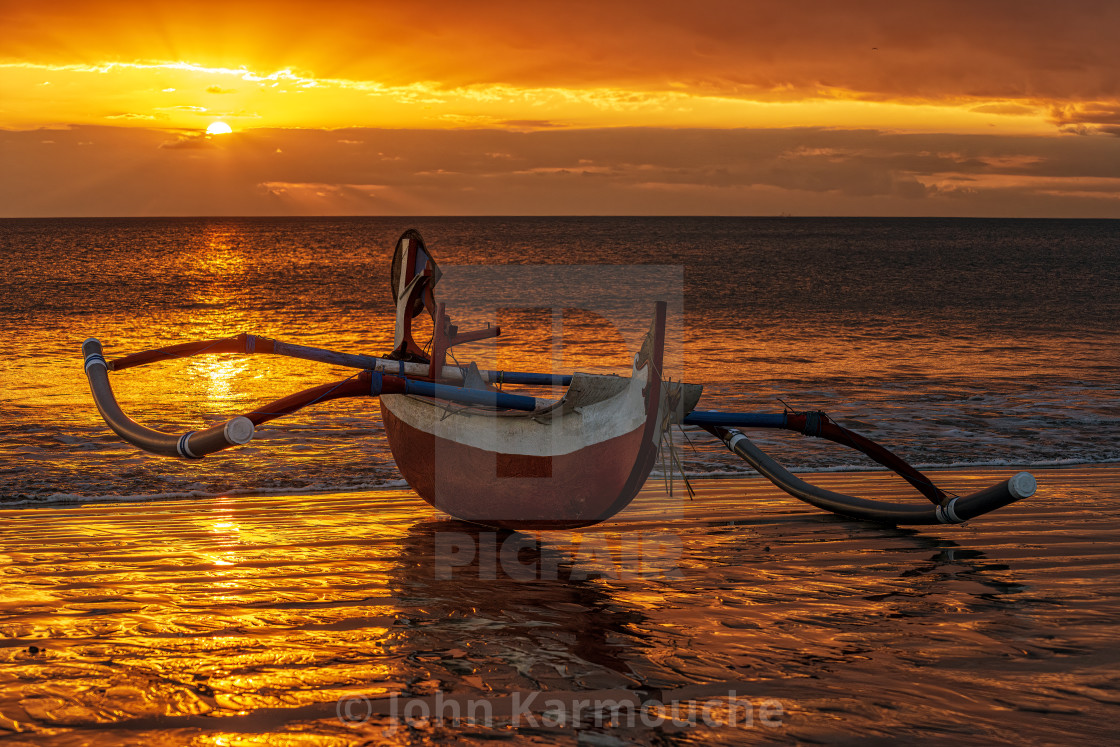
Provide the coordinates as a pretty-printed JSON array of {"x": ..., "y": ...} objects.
[{"x": 329, "y": 618}]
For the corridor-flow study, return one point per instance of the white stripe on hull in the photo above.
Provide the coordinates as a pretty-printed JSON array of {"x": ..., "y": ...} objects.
[{"x": 560, "y": 431}]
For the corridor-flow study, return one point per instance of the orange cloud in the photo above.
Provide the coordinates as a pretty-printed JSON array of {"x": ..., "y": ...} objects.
[
  {"x": 873, "y": 50},
  {"x": 1044, "y": 46}
]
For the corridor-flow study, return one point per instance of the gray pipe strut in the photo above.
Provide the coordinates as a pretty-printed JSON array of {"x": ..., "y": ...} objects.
[
  {"x": 953, "y": 511},
  {"x": 190, "y": 445}
]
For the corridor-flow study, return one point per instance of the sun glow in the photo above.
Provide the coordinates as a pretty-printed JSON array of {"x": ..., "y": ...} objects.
[
  {"x": 182, "y": 95},
  {"x": 219, "y": 128}
]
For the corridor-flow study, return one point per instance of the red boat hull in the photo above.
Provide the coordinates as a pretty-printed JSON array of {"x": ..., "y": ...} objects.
[
  {"x": 518, "y": 491},
  {"x": 574, "y": 465}
]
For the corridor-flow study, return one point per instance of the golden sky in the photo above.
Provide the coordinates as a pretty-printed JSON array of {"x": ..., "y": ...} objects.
[{"x": 985, "y": 107}]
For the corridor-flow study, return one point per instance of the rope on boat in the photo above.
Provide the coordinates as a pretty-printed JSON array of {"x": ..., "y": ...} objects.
[{"x": 672, "y": 402}]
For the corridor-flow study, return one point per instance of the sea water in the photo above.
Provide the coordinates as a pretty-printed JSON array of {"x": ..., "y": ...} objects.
[{"x": 955, "y": 342}]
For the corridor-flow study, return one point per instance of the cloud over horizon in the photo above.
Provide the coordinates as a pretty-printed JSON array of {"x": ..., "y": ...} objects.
[{"x": 641, "y": 171}]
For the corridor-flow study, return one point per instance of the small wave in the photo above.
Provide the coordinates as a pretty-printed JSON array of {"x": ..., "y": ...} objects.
[
  {"x": 67, "y": 498},
  {"x": 1042, "y": 463},
  {"x": 660, "y": 474}
]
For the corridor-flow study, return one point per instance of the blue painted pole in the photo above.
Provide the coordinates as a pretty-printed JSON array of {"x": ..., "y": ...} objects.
[
  {"x": 471, "y": 396},
  {"x": 461, "y": 395},
  {"x": 525, "y": 377},
  {"x": 351, "y": 360}
]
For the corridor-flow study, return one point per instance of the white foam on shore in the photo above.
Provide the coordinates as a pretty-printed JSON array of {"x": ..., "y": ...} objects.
[
  {"x": 64, "y": 498},
  {"x": 397, "y": 484},
  {"x": 1011, "y": 463}
]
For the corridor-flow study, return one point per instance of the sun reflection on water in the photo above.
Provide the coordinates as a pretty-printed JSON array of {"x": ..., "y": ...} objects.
[{"x": 220, "y": 251}]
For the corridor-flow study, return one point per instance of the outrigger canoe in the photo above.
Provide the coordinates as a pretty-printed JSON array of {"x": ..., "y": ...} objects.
[{"x": 507, "y": 460}]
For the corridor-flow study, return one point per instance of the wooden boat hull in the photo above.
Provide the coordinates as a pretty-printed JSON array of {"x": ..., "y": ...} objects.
[{"x": 574, "y": 465}]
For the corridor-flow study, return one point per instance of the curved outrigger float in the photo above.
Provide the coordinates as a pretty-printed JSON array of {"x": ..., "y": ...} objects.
[{"x": 519, "y": 462}]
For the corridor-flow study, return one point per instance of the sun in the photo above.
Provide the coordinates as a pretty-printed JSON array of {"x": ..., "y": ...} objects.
[{"x": 218, "y": 128}]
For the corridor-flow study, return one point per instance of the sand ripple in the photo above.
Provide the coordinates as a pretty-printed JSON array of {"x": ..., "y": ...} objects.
[{"x": 245, "y": 620}]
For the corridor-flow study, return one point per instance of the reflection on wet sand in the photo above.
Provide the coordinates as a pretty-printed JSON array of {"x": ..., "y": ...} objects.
[
  {"x": 517, "y": 603},
  {"x": 253, "y": 620}
]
